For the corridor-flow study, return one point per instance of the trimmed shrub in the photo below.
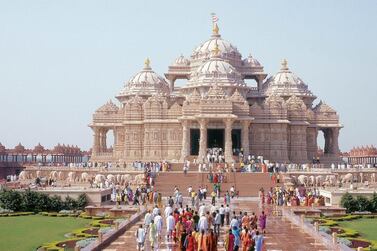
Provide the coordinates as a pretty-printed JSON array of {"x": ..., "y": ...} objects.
[{"x": 349, "y": 203}]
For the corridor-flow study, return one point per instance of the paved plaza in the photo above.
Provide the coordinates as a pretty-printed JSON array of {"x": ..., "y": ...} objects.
[{"x": 281, "y": 234}]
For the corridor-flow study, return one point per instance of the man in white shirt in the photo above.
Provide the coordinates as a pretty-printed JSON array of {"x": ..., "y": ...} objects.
[
  {"x": 222, "y": 214},
  {"x": 168, "y": 211},
  {"x": 234, "y": 222},
  {"x": 203, "y": 223},
  {"x": 147, "y": 219},
  {"x": 202, "y": 209},
  {"x": 140, "y": 237},
  {"x": 156, "y": 211},
  {"x": 213, "y": 208},
  {"x": 170, "y": 224},
  {"x": 189, "y": 190},
  {"x": 217, "y": 223},
  {"x": 159, "y": 223}
]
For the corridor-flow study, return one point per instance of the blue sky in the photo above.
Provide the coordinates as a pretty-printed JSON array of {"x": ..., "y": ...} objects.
[{"x": 61, "y": 60}]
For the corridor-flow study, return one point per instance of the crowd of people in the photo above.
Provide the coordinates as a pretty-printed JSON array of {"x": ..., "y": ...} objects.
[
  {"x": 299, "y": 196},
  {"x": 198, "y": 228}
]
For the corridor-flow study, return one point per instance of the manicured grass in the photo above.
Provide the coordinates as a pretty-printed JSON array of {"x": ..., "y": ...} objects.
[
  {"x": 366, "y": 227},
  {"x": 25, "y": 233}
]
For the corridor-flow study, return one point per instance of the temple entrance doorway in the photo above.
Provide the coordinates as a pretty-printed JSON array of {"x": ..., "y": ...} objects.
[
  {"x": 215, "y": 138},
  {"x": 194, "y": 141},
  {"x": 236, "y": 141}
]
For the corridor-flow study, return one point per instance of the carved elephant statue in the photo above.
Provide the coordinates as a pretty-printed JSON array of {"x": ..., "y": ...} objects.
[
  {"x": 302, "y": 180},
  {"x": 111, "y": 178},
  {"x": 126, "y": 178},
  {"x": 99, "y": 179},
  {"x": 53, "y": 175},
  {"x": 139, "y": 179},
  {"x": 118, "y": 178},
  {"x": 347, "y": 178},
  {"x": 24, "y": 175},
  {"x": 85, "y": 177},
  {"x": 60, "y": 175},
  {"x": 319, "y": 180},
  {"x": 71, "y": 177},
  {"x": 311, "y": 180},
  {"x": 330, "y": 180}
]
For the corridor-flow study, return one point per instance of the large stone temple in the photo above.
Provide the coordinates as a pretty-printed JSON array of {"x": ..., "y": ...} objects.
[{"x": 156, "y": 120}]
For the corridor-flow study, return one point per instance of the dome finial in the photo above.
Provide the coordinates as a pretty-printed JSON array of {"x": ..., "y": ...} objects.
[
  {"x": 284, "y": 64},
  {"x": 215, "y": 27},
  {"x": 147, "y": 63},
  {"x": 216, "y": 50}
]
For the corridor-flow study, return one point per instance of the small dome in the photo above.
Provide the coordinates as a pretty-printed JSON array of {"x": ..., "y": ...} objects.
[
  {"x": 181, "y": 61},
  {"x": 2, "y": 148},
  {"x": 286, "y": 83},
  {"x": 109, "y": 107},
  {"x": 146, "y": 83},
  {"x": 19, "y": 148},
  {"x": 39, "y": 148},
  {"x": 251, "y": 62}
]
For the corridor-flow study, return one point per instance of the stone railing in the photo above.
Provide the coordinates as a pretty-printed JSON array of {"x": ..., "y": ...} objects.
[
  {"x": 330, "y": 242},
  {"x": 105, "y": 240}
]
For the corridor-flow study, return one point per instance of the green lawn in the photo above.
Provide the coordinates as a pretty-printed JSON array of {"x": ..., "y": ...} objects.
[
  {"x": 26, "y": 233},
  {"x": 366, "y": 227}
]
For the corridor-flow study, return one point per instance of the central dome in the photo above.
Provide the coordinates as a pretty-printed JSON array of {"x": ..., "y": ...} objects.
[
  {"x": 227, "y": 51},
  {"x": 145, "y": 83},
  {"x": 208, "y": 46}
]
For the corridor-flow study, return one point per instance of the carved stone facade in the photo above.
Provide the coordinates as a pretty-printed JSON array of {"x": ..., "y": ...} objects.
[{"x": 157, "y": 121}]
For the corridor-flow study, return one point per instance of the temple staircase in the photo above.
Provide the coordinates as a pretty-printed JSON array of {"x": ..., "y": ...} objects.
[{"x": 248, "y": 184}]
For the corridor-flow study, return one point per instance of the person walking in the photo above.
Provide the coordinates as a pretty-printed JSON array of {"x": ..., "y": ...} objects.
[
  {"x": 153, "y": 234},
  {"x": 217, "y": 223},
  {"x": 229, "y": 241},
  {"x": 140, "y": 237},
  {"x": 263, "y": 222},
  {"x": 258, "y": 239}
]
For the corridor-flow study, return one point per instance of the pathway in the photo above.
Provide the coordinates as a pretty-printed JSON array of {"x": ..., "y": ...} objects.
[{"x": 281, "y": 235}]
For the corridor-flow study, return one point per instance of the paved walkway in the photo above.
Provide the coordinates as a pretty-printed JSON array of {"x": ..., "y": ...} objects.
[{"x": 281, "y": 235}]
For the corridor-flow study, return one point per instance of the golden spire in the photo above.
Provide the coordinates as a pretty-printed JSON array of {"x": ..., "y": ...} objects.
[
  {"x": 215, "y": 29},
  {"x": 147, "y": 63}
]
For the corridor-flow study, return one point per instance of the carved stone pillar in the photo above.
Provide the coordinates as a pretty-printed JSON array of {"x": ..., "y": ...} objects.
[
  {"x": 185, "y": 140},
  {"x": 103, "y": 140},
  {"x": 327, "y": 135},
  {"x": 245, "y": 137},
  {"x": 96, "y": 142},
  {"x": 228, "y": 153},
  {"x": 334, "y": 141},
  {"x": 203, "y": 139}
]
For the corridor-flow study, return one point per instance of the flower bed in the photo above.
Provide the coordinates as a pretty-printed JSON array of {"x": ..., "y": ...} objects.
[
  {"x": 83, "y": 235},
  {"x": 348, "y": 236}
]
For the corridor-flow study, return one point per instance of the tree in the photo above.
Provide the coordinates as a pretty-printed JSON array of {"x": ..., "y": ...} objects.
[
  {"x": 56, "y": 203},
  {"x": 30, "y": 200},
  {"x": 373, "y": 202},
  {"x": 363, "y": 204},
  {"x": 69, "y": 203},
  {"x": 349, "y": 203},
  {"x": 11, "y": 199},
  {"x": 82, "y": 201}
]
